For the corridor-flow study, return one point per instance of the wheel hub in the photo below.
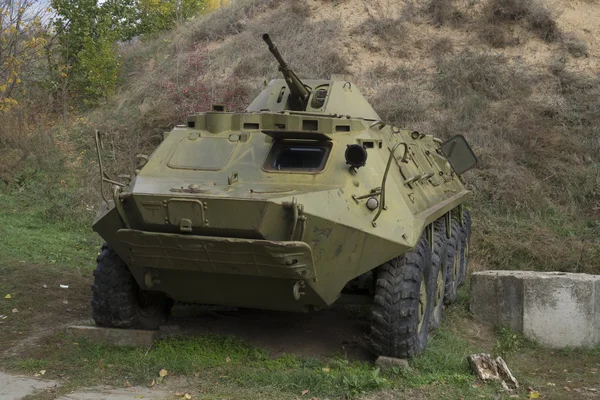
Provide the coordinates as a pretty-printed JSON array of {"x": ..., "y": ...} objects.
[
  {"x": 456, "y": 262},
  {"x": 439, "y": 288},
  {"x": 147, "y": 304},
  {"x": 422, "y": 302}
]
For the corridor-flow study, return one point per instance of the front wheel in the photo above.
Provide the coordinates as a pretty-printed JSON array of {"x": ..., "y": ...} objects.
[
  {"x": 403, "y": 304},
  {"x": 118, "y": 301}
]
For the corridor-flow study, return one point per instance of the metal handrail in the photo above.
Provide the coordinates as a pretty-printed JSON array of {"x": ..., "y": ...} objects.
[{"x": 385, "y": 174}]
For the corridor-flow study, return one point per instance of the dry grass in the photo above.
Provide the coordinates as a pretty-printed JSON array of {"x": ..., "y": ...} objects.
[
  {"x": 575, "y": 46},
  {"x": 444, "y": 12},
  {"x": 534, "y": 128},
  {"x": 533, "y": 14},
  {"x": 537, "y": 182}
]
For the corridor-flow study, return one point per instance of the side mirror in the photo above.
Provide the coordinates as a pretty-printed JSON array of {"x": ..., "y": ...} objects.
[{"x": 459, "y": 154}]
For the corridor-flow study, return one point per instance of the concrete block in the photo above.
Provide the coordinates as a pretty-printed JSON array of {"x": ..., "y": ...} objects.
[
  {"x": 113, "y": 336},
  {"x": 556, "y": 309}
]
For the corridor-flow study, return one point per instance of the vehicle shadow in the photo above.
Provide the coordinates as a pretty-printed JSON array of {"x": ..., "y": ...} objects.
[{"x": 338, "y": 331}]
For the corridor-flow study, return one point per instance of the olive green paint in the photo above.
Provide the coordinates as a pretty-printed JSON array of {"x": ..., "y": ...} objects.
[{"x": 209, "y": 222}]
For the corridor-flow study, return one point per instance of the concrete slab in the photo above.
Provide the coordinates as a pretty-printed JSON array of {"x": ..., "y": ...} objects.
[
  {"x": 119, "y": 394},
  {"x": 17, "y": 387},
  {"x": 556, "y": 309},
  {"x": 113, "y": 336}
]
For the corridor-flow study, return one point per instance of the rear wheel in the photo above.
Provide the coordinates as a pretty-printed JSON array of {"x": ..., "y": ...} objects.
[
  {"x": 118, "y": 301},
  {"x": 453, "y": 262},
  {"x": 438, "y": 271},
  {"x": 403, "y": 304},
  {"x": 465, "y": 245}
]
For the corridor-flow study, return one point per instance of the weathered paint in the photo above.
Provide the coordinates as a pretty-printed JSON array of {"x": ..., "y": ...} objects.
[{"x": 212, "y": 222}]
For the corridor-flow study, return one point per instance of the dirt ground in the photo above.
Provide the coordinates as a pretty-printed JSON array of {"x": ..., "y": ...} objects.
[{"x": 44, "y": 309}]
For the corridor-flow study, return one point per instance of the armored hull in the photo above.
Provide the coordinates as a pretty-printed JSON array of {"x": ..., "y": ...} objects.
[{"x": 290, "y": 205}]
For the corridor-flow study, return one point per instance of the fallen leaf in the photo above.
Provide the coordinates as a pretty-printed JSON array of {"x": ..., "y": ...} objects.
[
  {"x": 326, "y": 370},
  {"x": 8, "y": 296},
  {"x": 45, "y": 286},
  {"x": 227, "y": 359},
  {"x": 179, "y": 394},
  {"x": 163, "y": 372},
  {"x": 65, "y": 302},
  {"x": 566, "y": 388},
  {"x": 15, "y": 310},
  {"x": 534, "y": 395},
  {"x": 304, "y": 392},
  {"x": 43, "y": 372},
  {"x": 139, "y": 396},
  {"x": 153, "y": 383},
  {"x": 187, "y": 396}
]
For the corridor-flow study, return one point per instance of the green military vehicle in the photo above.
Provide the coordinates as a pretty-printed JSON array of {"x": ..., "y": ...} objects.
[{"x": 305, "y": 199}]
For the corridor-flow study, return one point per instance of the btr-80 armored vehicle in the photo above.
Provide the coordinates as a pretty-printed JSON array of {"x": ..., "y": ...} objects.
[{"x": 305, "y": 199}]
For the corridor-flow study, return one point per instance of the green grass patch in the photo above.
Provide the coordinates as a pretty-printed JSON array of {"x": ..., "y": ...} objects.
[
  {"x": 30, "y": 233},
  {"x": 225, "y": 363}
]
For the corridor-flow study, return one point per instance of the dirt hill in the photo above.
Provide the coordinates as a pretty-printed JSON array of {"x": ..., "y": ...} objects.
[{"x": 519, "y": 78}]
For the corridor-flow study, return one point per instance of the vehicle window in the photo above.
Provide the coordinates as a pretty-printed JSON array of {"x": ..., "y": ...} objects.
[{"x": 298, "y": 157}]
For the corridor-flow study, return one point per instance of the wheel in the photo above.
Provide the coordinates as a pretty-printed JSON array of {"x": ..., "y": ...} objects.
[
  {"x": 438, "y": 271},
  {"x": 465, "y": 245},
  {"x": 452, "y": 264},
  {"x": 403, "y": 304},
  {"x": 117, "y": 300}
]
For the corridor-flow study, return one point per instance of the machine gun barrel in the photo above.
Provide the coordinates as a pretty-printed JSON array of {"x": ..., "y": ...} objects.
[{"x": 299, "y": 92}]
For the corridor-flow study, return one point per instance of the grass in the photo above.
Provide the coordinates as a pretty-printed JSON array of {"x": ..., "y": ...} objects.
[
  {"x": 222, "y": 363},
  {"x": 44, "y": 232}
]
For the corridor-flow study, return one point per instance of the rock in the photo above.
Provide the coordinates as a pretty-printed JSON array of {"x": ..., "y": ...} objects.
[
  {"x": 391, "y": 362},
  {"x": 488, "y": 369}
]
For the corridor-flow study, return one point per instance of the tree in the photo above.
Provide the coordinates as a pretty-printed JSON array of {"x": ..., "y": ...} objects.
[
  {"x": 160, "y": 15},
  {"x": 88, "y": 33},
  {"x": 21, "y": 38}
]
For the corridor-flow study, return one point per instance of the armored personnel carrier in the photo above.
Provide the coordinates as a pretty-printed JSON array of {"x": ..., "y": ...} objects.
[{"x": 305, "y": 199}]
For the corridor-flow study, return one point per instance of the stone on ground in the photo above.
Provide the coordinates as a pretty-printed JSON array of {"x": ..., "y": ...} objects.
[
  {"x": 384, "y": 362},
  {"x": 556, "y": 309}
]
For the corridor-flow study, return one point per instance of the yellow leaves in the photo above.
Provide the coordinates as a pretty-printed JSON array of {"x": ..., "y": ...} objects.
[
  {"x": 185, "y": 396},
  {"x": 8, "y": 296},
  {"x": 7, "y": 103},
  {"x": 163, "y": 372},
  {"x": 41, "y": 373},
  {"x": 533, "y": 395}
]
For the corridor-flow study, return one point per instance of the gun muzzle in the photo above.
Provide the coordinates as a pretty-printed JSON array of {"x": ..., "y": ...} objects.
[{"x": 267, "y": 40}]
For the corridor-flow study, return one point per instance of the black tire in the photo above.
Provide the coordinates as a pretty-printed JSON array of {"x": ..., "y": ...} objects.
[
  {"x": 400, "y": 321},
  {"x": 465, "y": 246},
  {"x": 452, "y": 264},
  {"x": 438, "y": 271},
  {"x": 117, "y": 300}
]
